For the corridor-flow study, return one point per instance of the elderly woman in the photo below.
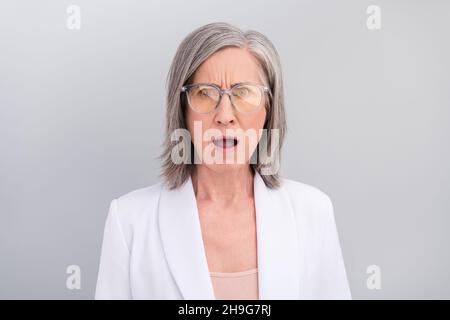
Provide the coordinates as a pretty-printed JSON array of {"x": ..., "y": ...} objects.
[{"x": 215, "y": 227}]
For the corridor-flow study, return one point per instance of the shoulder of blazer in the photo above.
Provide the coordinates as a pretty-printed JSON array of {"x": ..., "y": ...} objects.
[
  {"x": 307, "y": 200},
  {"x": 136, "y": 205}
]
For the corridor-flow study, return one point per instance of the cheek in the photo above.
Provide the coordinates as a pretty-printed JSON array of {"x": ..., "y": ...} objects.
[
  {"x": 261, "y": 119},
  {"x": 255, "y": 123},
  {"x": 202, "y": 121},
  {"x": 191, "y": 119}
]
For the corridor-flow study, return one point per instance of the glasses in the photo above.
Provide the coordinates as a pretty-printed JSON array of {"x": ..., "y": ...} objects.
[{"x": 205, "y": 97}]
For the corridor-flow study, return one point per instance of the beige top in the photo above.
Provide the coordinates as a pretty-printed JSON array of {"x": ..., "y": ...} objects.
[{"x": 241, "y": 285}]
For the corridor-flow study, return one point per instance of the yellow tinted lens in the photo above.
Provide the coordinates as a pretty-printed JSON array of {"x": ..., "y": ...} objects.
[
  {"x": 203, "y": 98},
  {"x": 247, "y": 98}
]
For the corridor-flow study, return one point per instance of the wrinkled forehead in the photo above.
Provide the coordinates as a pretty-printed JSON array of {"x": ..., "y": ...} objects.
[{"x": 229, "y": 66}]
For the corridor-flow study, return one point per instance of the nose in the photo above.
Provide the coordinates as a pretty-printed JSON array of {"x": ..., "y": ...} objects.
[{"x": 225, "y": 112}]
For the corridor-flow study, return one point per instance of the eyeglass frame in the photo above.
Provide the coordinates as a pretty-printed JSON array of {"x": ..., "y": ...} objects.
[{"x": 185, "y": 88}]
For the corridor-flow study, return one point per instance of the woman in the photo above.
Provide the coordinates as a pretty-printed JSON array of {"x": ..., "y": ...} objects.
[{"x": 215, "y": 227}]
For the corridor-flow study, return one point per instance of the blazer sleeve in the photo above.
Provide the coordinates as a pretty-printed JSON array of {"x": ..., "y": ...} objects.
[
  {"x": 333, "y": 276},
  {"x": 113, "y": 281}
]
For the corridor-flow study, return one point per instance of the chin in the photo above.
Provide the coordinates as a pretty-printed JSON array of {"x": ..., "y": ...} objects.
[{"x": 224, "y": 168}]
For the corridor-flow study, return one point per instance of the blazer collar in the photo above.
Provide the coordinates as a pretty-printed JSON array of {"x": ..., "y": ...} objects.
[{"x": 277, "y": 243}]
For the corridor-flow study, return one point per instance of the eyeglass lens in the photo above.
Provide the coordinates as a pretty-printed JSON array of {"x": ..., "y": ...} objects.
[{"x": 204, "y": 98}]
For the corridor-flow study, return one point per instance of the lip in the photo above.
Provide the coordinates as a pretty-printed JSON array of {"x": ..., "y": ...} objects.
[{"x": 224, "y": 145}]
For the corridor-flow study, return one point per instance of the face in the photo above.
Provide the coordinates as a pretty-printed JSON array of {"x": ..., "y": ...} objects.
[{"x": 224, "y": 68}]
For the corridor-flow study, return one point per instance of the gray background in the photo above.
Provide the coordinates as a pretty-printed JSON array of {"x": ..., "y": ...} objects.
[{"x": 81, "y": 122}]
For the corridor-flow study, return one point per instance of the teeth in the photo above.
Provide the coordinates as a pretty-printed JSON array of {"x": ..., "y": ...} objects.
[{"x": 227, "y": 143}]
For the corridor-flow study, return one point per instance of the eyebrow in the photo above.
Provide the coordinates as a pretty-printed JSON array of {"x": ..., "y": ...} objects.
[{"x": 233, "y": 84}]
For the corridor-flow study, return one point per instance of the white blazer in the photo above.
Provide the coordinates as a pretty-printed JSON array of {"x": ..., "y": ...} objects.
[{"x": 153, "y": 248}]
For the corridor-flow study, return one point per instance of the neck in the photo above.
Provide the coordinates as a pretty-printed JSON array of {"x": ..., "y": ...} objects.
[{"x": 223, "y": 187}]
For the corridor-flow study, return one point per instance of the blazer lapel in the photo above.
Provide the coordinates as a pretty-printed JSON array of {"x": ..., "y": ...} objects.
[
  {"x": 182, "y": 241},
  {"x": 278, "y": 247},
  {"x": 277, "y": 243}
]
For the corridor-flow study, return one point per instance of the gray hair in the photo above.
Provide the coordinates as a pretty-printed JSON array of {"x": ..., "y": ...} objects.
[{"x": 196, "y": 47}]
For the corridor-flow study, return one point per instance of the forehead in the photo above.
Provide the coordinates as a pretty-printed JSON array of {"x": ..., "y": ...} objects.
[{"x": 228, "y": 66}]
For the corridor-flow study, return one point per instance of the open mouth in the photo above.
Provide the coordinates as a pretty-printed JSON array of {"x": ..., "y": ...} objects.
[{"x": 225, "y": 142}]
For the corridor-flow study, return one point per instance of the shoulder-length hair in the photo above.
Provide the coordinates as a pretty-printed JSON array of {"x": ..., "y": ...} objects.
[{"x": 195, "y": 48}]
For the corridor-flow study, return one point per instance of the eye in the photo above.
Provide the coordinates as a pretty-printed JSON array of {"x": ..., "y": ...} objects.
[
  {"x": 206, "y": 92},
  {"x": 242, "y": 92}
]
